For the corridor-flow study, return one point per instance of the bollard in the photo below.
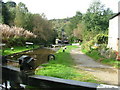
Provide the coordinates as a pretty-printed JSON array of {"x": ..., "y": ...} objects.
[
  {"x": 12, "y": 48},
  {"x": 64, "y": 48}
]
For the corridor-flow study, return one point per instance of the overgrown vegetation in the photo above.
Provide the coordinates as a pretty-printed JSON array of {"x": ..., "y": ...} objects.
[
  {"x": 62, "y": 67},
  {"x": 14, "y": 36},
  {"x": 96, "y": 56},
  {"x": 86, "y": 26},
  {"x": 97, "y": 49},
  {"x": 92, "y": 29},
  {"x": 100, "y": 39},
  {"x": 18, "y": 15}
]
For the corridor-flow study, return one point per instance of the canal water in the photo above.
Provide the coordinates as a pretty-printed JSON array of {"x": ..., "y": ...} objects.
[{"x": 39, "y": 55}]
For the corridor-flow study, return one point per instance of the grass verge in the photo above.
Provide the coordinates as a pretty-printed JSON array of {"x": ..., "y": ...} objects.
[
  {"x": 62, "y": 67},
  {"x": 96, "y": 56},
  {"x": 17, "y": 49}
]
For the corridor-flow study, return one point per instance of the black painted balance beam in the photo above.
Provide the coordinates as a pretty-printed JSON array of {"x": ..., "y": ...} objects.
[{"x": 14, "y": 74}]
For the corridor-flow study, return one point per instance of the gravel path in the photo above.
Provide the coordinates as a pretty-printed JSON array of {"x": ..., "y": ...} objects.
[{"x": 105, "y": 73}]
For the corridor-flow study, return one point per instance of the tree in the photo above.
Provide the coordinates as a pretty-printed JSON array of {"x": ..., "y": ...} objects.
[
  {"x": 12, "y": 15},
  {"x": 5, "y": 14},
  {"x": 11, "y": 4},
  {"x": 96, "y": 7},
  {"x": 8, "y": 12},
  {"x": 18, "y": 15},
  {"x": 22, "y": 8},
  {"x": 75, "y": 20},
  {"x": 1, "y": 17},
  {"x": 72, "y": 25},
  {"x": 96, "y": 19},
  {"x": 21, "y": 17},
  {"x": 43, "y": 29},
  {"x": 79, "y": 31}
]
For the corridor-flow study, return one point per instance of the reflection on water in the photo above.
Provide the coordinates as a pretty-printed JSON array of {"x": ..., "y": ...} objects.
[{"x": 40, "y": 56}]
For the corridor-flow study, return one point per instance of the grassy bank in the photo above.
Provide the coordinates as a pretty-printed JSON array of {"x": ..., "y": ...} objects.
[
  {"x": 17, "y": 49},
  {"x": 96, "y": 56},
  {"x": 62, "y": 67}
]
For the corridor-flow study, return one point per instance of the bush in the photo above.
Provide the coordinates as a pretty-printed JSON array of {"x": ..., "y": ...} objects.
[
  {"x": 17, "y": 42},
  {"x": 88, "y": 45},
  {"x": 101, "y": 39},
  {"x": 106, "y": 52},
  {"x": 14, "y": 35}
]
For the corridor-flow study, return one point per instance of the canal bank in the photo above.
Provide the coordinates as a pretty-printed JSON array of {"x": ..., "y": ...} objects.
[
  {"x": 105, "y": 73},
  {"x": 63, "y": 67}
]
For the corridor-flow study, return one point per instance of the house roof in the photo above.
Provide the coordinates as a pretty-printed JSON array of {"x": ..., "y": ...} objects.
[{"x": 115, "y": 15}]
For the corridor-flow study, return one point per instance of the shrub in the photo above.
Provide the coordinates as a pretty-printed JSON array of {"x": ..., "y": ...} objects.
[
  {"x": 88, "y": 45},
  {"x": 101, "y": 39},
  {"x": 106, "y": 52},
  {"x": 14, "y": 35}
]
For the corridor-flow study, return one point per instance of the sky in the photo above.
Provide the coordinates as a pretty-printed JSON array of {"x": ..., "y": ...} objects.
[{"x": 57, "y": 9}]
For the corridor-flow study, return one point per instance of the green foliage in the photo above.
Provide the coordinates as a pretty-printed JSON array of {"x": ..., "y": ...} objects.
[
  {"x": 5, "y": 13},
  {"x": 81, "y": 26},
  {"x": 86, "y": 26},
  {"x": 96, "y": 18},
  {"x": 62, "y": 67},
  {"x": 103, "y": 46},
  {"x": 60, "y": 24},
  {"x": 10, "y": 4},
  {"x": 43, "y": 30},
  {"x": 95, "y": 54},
  {"x": 57, "y": 70},
  {"x": 112, "y": 62},
  {"x": 64, "y": 58},
  {"x": 17, "y": 49},
  {"x": 68, "y": 24},
  {"x": 18, "y": 15},
  {"x": 101, "y": 39},
  {"x": 79, "y": 32},
  {"x": 16, "y": 42},
  {"x": 12, "y": 36},
  {"x": 88, "y": 45},
  {"x": 1, "y": 19},
  {"x": 71, "y": 30},
  {"x": 100, "y": 53},
  {"x": 21, "y": 14},
  {"x": 75, "y": 20}
]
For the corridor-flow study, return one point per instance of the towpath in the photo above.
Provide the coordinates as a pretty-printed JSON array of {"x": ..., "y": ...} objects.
[{"x": 105, "y": 73}]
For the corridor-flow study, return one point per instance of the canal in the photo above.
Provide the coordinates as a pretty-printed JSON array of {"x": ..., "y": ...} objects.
[{"x": 39, "y": 55}]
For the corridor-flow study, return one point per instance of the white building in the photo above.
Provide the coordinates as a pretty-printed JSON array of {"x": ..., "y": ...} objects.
[{"x": 114, "y": 32}]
